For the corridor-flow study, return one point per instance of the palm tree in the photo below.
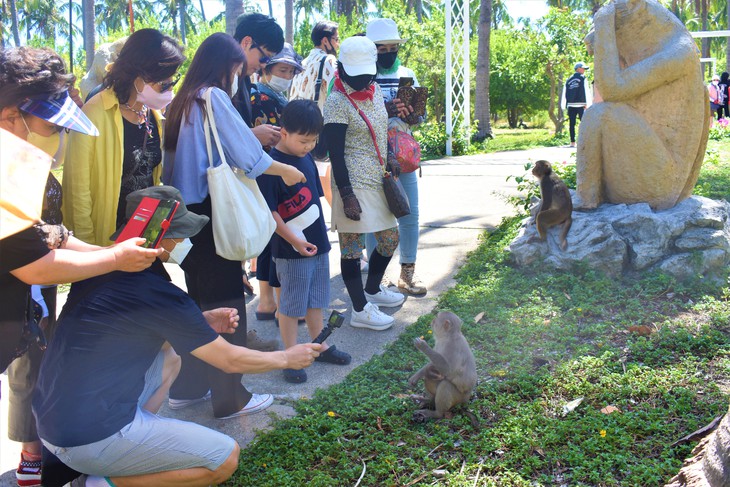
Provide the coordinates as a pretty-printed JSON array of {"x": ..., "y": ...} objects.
[
  {"x": 289, "y": 21},
  {"x": 14, "y": 21},
  {"x": 87, "y": 7},
  {"x": 309, "y": 7},
  {"x": 481, "y": 101},
  {"x": 234, "y": 8},
  {"x": 43, "y": 17}
]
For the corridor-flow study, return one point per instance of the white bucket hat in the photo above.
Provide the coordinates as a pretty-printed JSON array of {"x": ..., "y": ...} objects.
[
  {"x": 383, "y": 31},
  {"x": 358, "y": 55}
]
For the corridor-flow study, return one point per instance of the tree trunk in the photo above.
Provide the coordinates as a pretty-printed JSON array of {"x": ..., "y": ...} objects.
[
  {"x": 202, "y": 11},
  {"x": 14, "y": 22},
  {"x": 727, "y": 39},
  {"x": 181, "y": 7},
  {"x": 481, "y": 101},
  {"x": 234, "y": 8},
  {"x": 556, "y": 88},
  {"x": 710, "y": 464},
  {"x": 289, "y": 21},
  {"x": 513, "y": 115},
  {"x": 705, "y": 27},
  {"x": 87, "y": 7}
]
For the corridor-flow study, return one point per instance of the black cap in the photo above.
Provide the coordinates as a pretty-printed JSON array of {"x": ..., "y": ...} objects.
[{"x": 184, "y": 224}]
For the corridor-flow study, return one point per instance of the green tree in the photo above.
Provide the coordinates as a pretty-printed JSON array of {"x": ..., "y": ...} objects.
[
  {"x": 559, "y": 47},
  {"x": 518, "y": 82}
]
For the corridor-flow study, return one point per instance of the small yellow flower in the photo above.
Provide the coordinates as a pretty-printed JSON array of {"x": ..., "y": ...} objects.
[
  {"x": 331, "y": 414},
  {"x": 265, "y": 465},
  {"x": 602, "y": 433},
  {"x": 429, "y": 332},
  {"x": 580, "y": 310}
]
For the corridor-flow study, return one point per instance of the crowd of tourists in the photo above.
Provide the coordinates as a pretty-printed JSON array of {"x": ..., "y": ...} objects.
[{"x": 85, "y": 388}]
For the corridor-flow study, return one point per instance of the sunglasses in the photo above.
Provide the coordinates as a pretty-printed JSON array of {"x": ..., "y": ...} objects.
[
  {"x": 167, "y": 85},
  {"x": 264, "y": 57}
]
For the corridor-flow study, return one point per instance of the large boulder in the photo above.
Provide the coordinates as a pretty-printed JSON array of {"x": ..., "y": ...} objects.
[{"x": 690, "y": 239}]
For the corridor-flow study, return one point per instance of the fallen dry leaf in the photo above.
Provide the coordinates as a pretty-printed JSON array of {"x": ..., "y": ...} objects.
[
  {"x": 568, "y": 296},
  {"x": 610, "y": 409},
  {"x": 569, "y": 407},
  {"x": 641, "y": 330},
  {"x": 478, "y": 317}
]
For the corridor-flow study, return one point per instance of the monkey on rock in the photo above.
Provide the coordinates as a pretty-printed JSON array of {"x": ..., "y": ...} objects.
[
  {"x": 556, "y": 206},
  {"x": 451, "y": 375}
]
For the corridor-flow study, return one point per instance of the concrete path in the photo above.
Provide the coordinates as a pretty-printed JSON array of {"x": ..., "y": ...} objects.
[{"x": 459, "y": 199}]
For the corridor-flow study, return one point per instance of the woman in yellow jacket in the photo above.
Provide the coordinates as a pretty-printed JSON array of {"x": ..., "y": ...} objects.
[{"x": 99, "y": 172}]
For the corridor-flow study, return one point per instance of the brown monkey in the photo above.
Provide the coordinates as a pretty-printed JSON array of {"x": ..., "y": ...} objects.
[
  {"x": 556, "y": 206},
  {"x": 451, "y": 374}
]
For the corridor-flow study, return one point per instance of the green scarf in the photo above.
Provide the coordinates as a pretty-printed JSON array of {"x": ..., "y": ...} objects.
[{"x": 392, "y": 69}]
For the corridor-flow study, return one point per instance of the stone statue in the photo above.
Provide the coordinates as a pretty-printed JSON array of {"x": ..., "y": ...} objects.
[
  {"x": 105, "y": 54},
  {"x": 646, "y": 141}
]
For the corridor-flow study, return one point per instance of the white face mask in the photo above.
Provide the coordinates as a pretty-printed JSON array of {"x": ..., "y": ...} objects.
[
  {"x": 180, "y": 251},
  {"x": 234, "y": 86},
  {"x": 51, "y": 144},
  {"x": 279, "y": 84},
  {"x": 154, "y": 99}
]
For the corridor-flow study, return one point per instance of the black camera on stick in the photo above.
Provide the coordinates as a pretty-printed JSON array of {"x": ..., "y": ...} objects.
[{"x": 335, "y": 320}]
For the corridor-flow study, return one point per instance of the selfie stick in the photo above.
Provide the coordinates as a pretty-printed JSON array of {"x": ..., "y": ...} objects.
[{"x": 335, "y": 321}]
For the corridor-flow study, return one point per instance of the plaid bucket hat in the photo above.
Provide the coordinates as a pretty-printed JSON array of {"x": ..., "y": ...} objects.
[{"x": 62, "y": 110}]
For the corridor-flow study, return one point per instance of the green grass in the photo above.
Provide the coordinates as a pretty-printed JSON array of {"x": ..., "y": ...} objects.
[
  {"x": 521, "y": 139},
  {"x": 546, "y": 338}
]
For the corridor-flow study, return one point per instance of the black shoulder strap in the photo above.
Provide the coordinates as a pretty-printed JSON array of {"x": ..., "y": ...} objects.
[{"x": 318, "y": 82}]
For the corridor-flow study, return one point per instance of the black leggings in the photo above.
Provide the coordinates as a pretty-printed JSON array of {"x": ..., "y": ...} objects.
[{"x": 212, "y": 282}]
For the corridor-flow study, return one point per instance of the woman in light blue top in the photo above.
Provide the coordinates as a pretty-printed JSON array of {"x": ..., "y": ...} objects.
[{"x": 213, "y": 281}]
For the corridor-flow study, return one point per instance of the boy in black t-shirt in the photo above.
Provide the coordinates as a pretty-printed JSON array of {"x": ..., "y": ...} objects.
[{"x": 300, "y": 246}]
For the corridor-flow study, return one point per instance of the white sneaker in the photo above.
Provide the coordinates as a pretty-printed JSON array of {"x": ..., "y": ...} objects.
[
  {"x": 183, "y": 403},
  {"x": 385, "y": 298},
  {"x": 258, "y": 402},
  {"x": 371, "y": 317}
]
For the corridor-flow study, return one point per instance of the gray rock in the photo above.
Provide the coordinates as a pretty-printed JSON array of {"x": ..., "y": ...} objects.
[
  {"x": 683, "y": 241},
  {"x": 701, "y": 238}
]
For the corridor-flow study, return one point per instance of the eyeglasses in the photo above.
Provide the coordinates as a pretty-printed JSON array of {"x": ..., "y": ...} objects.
[
  {"x": 167, "y": 85},
  {"x": 265, "y": 58}
]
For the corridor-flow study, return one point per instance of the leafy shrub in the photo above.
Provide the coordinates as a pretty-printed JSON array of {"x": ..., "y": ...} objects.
[
  {"x": 528, "y": 186},
  {"x": 720, "y": 129}
]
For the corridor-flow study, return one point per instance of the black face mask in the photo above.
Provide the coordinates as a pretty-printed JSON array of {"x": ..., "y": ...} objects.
[
  {"x": 386, "y": 59},
  {"x": 358, "y": 83}
]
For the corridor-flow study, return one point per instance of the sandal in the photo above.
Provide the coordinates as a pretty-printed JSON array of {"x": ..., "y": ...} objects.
[
  {"x": 334, "y": 356},
  {"x": 295, "y": 376},
  {"x": 266, "y": 315}
]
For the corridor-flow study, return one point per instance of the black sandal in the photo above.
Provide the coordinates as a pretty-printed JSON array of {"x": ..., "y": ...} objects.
[
  {"x": 295, "y": 376},
  {"x": 334, "y": 356}
]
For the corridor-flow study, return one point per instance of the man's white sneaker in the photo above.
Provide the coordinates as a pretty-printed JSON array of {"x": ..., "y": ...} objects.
[
  {"x": 371, "y": 317},
  {"x": 385, "y": 298},
  {"x": 183, "y": 403},
  {"x": 258, "y": 402}
]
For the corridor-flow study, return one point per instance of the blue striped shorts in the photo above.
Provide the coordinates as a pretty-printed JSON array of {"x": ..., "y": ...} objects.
[{"x": 305, "y": 284}]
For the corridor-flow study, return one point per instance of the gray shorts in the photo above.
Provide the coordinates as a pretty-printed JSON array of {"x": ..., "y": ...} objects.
[
  {"x": 149, "y": 444},
  {"x": 305, "y": 284}
]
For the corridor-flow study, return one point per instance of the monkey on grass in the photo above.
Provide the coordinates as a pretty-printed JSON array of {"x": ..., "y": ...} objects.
[
  {"x": 451, "y": 375},
  {"x": 556, "y": 206}
]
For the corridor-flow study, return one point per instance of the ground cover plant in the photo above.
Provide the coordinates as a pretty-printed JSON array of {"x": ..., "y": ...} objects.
[{"x": 584, "y": 379}]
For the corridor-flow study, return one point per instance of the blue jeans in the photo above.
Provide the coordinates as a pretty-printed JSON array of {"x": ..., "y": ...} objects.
[{"x": 407, "y": 225}]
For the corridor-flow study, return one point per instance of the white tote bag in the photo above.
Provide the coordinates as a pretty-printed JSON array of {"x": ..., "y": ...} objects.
[{"x": 242, "y": 221}]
